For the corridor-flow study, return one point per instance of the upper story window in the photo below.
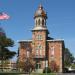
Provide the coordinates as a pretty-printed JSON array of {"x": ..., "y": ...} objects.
[
  {"x": 36, "y": 22},
  {"x": 39, "y": 22},
  {"x": 42, "y": 22},
  {"x": 39, "y": 47},
  {"x": 52, "y": 50},
  {"x": 39, "y": 37},
  {"x": 37, "y": 52}
]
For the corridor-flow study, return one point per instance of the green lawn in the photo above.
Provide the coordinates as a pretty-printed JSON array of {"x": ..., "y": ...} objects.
[
  {"x": 43, "y": 74},
  {"x": 8, "y": 74},
  {"x": 23, "y": 74}
]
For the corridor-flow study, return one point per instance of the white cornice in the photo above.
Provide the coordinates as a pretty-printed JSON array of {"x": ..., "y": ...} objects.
[
  {"x": 56, "y": 40},
  {"x": 39, "y": 28},
  {"x": 25, "y": 41}
]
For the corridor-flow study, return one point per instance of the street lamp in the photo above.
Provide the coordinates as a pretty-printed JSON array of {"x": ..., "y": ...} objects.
[
  {"x": 28, "y": 60},
  {"x": 46, "y": 65}
]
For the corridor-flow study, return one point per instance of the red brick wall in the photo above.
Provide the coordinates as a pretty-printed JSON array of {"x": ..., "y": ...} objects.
[
  {"x": 41, "y": 42},
  {"x": 24, "y": 46},
  {"x": 57, "y": 52}
]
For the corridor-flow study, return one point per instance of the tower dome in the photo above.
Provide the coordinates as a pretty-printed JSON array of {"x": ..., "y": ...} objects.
[
  {"x": 40, "y": 17},
  {"x": 2, "y": 32},
  {"x": 40, "y": 12}
]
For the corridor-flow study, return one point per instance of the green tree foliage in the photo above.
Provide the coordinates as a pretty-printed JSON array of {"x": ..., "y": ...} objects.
[
  {"x": 47, "y": 69},
  {"x": 73, "y": 66},
  {"x": 6, "y": 42},
  {"x": 5, "y": 53},
  {"x": 68, "y": 57}
]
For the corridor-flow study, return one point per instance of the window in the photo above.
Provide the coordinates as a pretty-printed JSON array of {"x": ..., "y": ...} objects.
[
  {"x": 36, "y": 22},
  {"x": 37, "y": 52},
  {"x": 38, "y": 65},
  {"x": 52, "y": 51},
  {"x": 39, "y": 22},
  {"x": 39, "y": 49},
  {"x": 39, "y": 37},
  {"x": 42, "y": 22},
  {"x": 40, "y": 52}
]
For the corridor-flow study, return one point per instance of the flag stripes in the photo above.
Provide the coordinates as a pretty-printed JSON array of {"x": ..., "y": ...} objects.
[{"x": 3, "y": 16}]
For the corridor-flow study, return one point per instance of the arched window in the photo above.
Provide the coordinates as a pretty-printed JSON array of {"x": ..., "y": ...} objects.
[
  {"x": 52, "y": 50},
  {"x": 42, "y": 22},
  {"x": 39, "y": 22},
  {"x": 36, "y": 22}
]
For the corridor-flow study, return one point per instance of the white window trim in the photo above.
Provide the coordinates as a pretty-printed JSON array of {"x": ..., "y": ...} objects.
[
  {"x": 52, "y": 51},
  {"x": 39, "y": 37}
]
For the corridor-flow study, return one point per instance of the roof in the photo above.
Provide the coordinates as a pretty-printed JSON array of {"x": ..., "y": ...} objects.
[
  {"x": 40, "y": 12},
  {"x": 24, "y": 41},
  {"x": 39, "y": 28},
  {"x": 56, "y": 40}
]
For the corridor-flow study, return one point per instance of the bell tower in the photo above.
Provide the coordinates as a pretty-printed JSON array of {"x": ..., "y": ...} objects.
[
  {"x": 39, "y": 35},
  {"x": 40, "y": 17}
]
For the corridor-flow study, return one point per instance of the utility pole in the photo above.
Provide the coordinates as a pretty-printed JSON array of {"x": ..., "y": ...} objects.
[{"x": 46, "y": 65}]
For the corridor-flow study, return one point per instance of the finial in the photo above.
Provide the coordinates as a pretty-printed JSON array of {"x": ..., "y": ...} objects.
[{"x": 40, "y": 6}]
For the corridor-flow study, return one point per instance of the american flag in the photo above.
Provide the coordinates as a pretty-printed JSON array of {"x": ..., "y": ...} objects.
[{"x": 3, "y": 16}]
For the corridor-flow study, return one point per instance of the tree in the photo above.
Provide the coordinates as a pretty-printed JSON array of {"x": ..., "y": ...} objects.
[
  {"x": 27, "y": 65},
  {"x": 53, "y": 66},
  {"x": 73, "y": 66},
  {"x": 5, "y": 42},
  {"x": 20, "y": 65},
  {"x": 5, "y": 53},
  {"x": 68, "y": 57}
]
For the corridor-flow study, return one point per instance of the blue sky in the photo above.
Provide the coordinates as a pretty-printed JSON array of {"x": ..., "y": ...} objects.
[{"x": 60, "y": 23}]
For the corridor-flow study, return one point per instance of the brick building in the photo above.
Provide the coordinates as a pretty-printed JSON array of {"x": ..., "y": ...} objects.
[{"x": 44, "y": 48}]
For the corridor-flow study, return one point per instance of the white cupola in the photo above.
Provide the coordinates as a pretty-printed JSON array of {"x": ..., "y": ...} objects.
[{"x": 40, "y": 17}]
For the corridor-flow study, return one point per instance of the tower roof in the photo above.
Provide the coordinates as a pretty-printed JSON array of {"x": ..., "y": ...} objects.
[{"x": 40, "y": 12}]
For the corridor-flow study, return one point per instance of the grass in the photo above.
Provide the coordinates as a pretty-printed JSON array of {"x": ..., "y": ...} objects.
[
  {"x": 29, "y": 74},
  {"x": 43, "y": 74}
]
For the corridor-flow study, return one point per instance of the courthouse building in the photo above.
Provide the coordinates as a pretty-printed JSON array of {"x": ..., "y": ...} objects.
[{"x": 44, "y": 48}]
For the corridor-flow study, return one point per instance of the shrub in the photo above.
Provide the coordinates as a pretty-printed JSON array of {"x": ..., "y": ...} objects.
[
  {"x": 73, "y": 66},
  {"x": 47, "y": 69},
  {"x": 54, "y": 67},
  {"x": 66, "y": 70}
]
